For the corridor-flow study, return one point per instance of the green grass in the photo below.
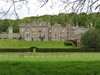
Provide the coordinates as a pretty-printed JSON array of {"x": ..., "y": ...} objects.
[
  {"x": 13, "y": 43},
  {"x": 46, "y": 63},
  {"x": 50, "y": 57},
  {"x": 49, "y": 63},
  {"x": 50, "y": 68}
]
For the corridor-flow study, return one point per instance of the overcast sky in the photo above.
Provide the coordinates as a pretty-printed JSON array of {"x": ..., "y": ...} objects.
[{"x": 33, "y": 6}]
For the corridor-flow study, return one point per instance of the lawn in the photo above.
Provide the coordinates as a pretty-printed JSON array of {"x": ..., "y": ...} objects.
[
  {"x": 50, "y": 68},
  {"x": 50, "y": 63},
  {"x": 51, "y": 57},
  {"x": 65, "y": 63},
  {"x": 14, "y": 43}
]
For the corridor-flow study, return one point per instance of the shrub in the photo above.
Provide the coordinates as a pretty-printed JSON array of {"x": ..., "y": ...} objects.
[
  {"x": 68, "y": 50},
  {"x": 91, "y": 39},
  {"x": 68, "y": 43}
]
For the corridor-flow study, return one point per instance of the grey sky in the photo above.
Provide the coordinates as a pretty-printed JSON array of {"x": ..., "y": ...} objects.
[{"x": 33, "y": 8}]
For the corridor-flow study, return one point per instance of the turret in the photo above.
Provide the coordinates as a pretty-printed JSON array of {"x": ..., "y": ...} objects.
[{"x": 68, "y": 28}]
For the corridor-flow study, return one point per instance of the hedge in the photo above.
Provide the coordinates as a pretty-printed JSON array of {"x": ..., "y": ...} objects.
[
  {"x": 68, "y": 50},
  {"x": 17, "y": 49},
  {"x": 14, "y": 50},
  {"x": 34, "y": 49}
]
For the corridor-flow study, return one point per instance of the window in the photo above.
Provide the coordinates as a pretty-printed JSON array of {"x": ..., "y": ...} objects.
[
  {"x": 49, "y": 30},
  {"x": 33, "y": 34},
  {"x": 58, "y": 34},
  {"x": 44, "y": 29},
  {"x": 63, "y": 31},
  {"x": 28, "y": 34},
  {"x": 62, "y": 35}
]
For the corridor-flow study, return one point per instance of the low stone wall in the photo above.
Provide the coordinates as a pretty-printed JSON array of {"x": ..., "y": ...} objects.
[{"x": 3, "y": 36}]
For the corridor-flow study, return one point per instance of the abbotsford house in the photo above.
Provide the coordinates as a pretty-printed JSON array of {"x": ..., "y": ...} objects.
[{"x": 44, "y": 31}]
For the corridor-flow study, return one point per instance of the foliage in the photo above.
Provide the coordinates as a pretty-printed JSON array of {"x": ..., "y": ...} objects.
[
  {"x": 67, "y": 50},
  {"x": 68, "y": 43},
  {"x": 91, "y": 39},
  {"x": 83, "y": 20}
]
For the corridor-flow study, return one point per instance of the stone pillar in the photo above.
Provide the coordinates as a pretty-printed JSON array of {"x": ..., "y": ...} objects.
[
  {"x": 91, "y": 26},
  {"x": 10, "y": 32},
  {"x": 78, "y": 42}
]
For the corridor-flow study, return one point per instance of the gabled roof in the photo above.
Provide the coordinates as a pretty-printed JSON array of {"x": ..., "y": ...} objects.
[{"x": 57, "y": 25}]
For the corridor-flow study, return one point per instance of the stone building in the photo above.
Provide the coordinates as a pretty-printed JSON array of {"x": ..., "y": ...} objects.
[{"x": 43, "y": 31}]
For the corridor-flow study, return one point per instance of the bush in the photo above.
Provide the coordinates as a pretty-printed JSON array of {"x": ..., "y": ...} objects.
[
  {"x": 17, "y": 49},
  {"x": 34, "y": 49},
  {"x": 69, "y": 42},
  {"x": 68, "y": 50},
  {"x": 91, "y": 39}
]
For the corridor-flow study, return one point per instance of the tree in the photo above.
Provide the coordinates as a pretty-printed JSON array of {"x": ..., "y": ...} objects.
[
  {"x": 82, "y": 19},
  {"x": 76, "y": 5},
  {"x": 91, "y": 39}
]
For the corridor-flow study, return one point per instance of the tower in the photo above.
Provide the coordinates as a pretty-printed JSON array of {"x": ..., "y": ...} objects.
[
  {"x": 68, "y": 28},
  {"x": 10, "y": 32}
]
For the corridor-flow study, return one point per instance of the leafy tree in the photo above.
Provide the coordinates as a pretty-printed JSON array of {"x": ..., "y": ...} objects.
[
  {"x": 91, "y": 39},
  {"x": 82, "y": 19},
  {"x": 4, "y": 25},
  {"x": 73, "y": 18}
]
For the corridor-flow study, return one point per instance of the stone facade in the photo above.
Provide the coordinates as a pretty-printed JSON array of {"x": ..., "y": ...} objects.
[{"x": 44, "y": 31}]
